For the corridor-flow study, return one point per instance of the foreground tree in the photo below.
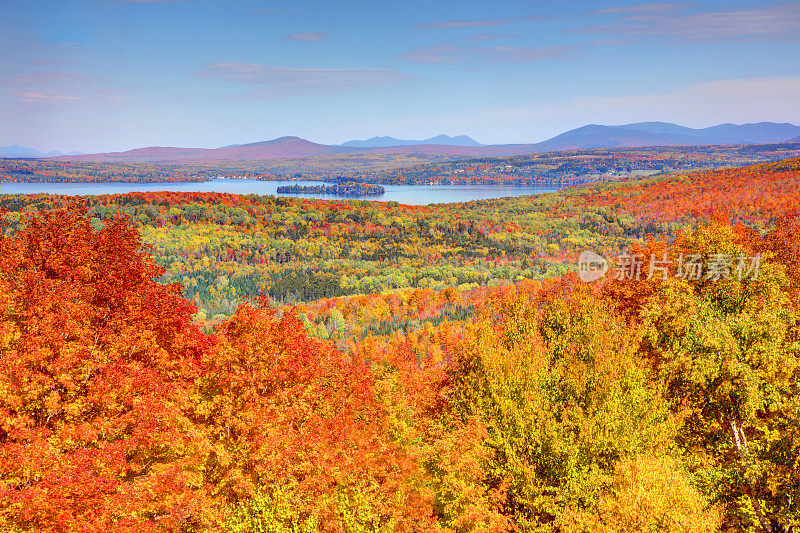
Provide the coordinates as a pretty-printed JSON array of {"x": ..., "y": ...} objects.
[
  {"x": 96, "y": 362},
  {"x": 560, "y": 390},
  {"x": 118, "y": 414},
  {"x": 648, "y": 495},
  {"x": 297, "y": 440},
  {"x": 727, "y": 353}
]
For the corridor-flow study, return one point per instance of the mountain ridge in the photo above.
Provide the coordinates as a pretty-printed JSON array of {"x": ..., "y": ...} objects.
[
  {"x": 17, "y": 151},
  {"x": 634, "y": 135}
]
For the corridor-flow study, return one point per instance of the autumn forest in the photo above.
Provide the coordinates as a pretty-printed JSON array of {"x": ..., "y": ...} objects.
[{"x": 197, "y": 362}]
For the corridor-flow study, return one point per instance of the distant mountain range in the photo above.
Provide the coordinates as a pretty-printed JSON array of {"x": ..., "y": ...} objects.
[
  {"x": 439, "y": 140},
  {"x": 279, "y": 148},
  {"x": 667, "y": 134},
  {"x": 24, "y": 151},
  {"x": 591, "y": 136}
]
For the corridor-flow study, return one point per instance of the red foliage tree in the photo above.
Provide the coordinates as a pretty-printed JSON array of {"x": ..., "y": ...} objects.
[
  {"x": 96, "y": 360},
  {"x": 290, "y": 418}
]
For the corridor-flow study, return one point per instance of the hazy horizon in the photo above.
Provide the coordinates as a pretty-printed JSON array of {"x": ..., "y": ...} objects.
[
  {"x": 419, "y": 138},
  {"x": 112, "y": 75}
]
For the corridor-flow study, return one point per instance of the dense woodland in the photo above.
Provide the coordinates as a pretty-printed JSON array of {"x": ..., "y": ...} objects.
[
  {"x": 57, "y": 171},
  {"x": 574, "y": 167},
  {"x": 553, "y": 169},
  {"x": 402, "y": 368}
]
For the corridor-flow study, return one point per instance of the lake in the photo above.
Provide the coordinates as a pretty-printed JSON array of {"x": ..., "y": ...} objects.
[{"x": 405, "y": 194}]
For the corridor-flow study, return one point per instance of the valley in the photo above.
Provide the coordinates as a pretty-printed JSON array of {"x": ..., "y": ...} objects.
[{"x": 399, "y": 267}]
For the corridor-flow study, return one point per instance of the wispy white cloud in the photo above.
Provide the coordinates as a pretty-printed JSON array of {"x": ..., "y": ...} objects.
[
  {"x": 515, "y": 54},
  {"x": 49, "y": 62},
  {"x": 69, "y": 44},
  {"x": 610, "y": 42},
  {"x": 47, "y": 77},
  {"x": 437, "y": 53},
  {"x": 280, "y": 80},
  {"x": 450, "y": 53},
  {"x": 745, "y": 99},
  {"x": 451, "y": 24},
  {"x": 47, "y": 87},
  {"x": 658, "y": 8},
  {"x": 304, "y": 36},
  {"x": 484, "y": 37},
  {"x": 777, "y": 23}
]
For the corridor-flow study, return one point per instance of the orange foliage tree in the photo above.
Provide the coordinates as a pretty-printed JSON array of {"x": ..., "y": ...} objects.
[
  {"x": 96, "y": 361},
  {"x": 118, "y": 414},
  {"x": 295, "y": 432}
]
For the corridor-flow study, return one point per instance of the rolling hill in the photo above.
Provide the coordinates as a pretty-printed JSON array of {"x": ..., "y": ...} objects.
[
  {"x": 635, "y": 135},
  {"x": 282, "y": 147},
  {"x": 666, "y": 134},
  {"x": 288, "y": 147},
  {"x": 439, "y": 140},
  {"x": 17, "y": 151}
]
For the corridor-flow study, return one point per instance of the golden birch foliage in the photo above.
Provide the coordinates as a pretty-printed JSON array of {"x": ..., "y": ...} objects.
[
  {"x": 563, "y": 398},
  {"x": 648, "y": 495},
  {"x": 728, "y": 357}
]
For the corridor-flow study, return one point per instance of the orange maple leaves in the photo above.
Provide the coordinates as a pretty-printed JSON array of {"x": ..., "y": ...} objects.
[{"x": 118, "y": 414}]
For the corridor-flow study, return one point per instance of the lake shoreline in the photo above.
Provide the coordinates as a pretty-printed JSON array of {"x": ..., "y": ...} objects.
[{"x": 404, "y": 194}]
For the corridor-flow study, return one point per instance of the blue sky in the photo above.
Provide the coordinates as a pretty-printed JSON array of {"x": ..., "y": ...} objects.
[{"x": 101, "y": 75}]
